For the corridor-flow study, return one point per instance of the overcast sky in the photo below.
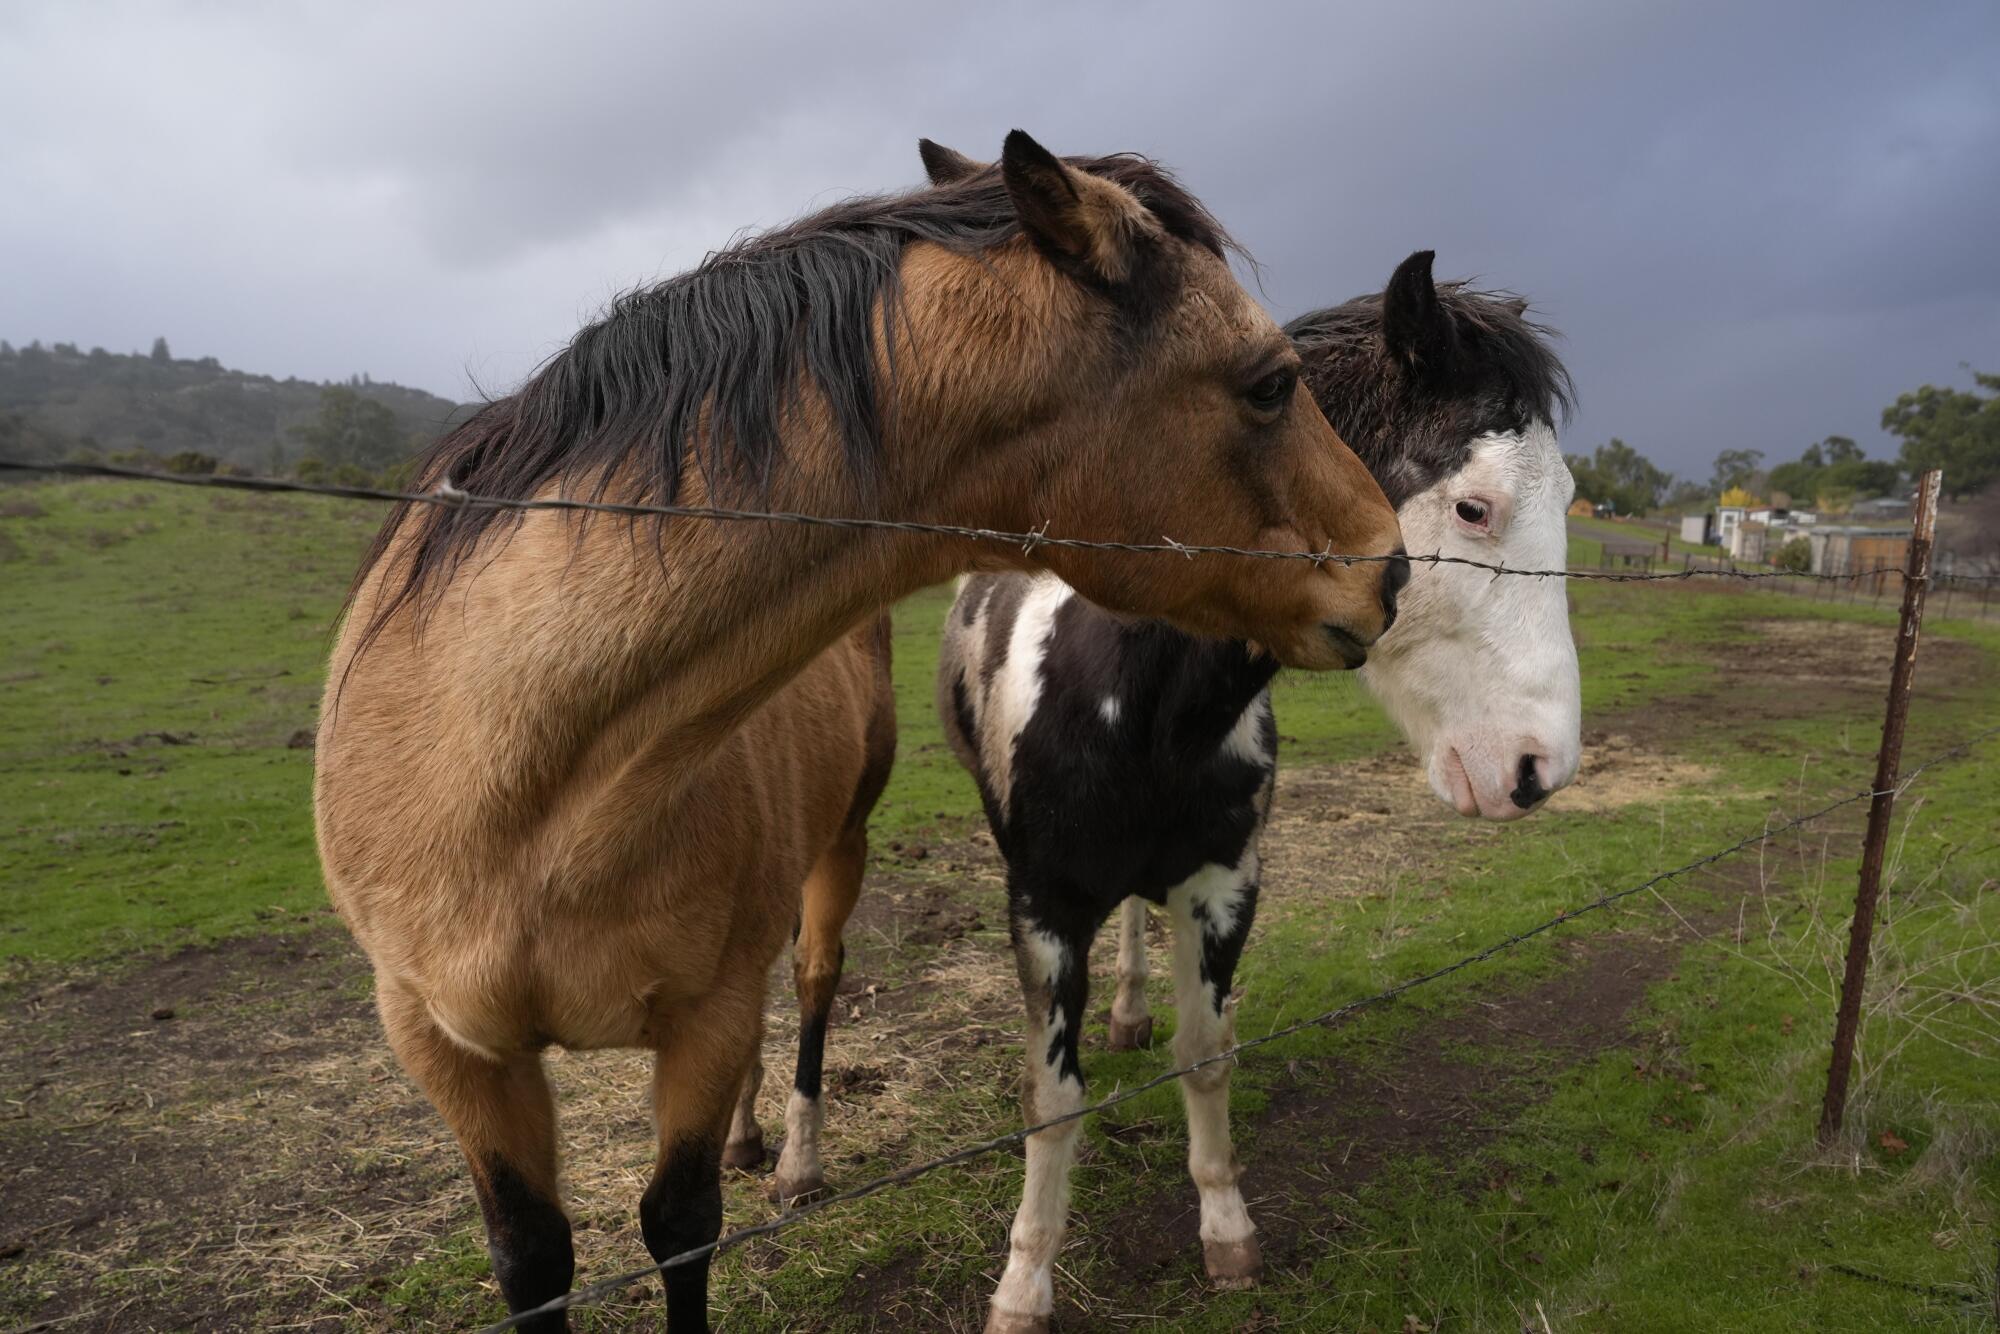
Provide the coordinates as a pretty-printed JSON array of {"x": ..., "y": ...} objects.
[{"x": 1756, "y": 223}]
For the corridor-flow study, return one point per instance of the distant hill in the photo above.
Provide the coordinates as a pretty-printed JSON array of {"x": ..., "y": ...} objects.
[{"x": 56, "y": 401}]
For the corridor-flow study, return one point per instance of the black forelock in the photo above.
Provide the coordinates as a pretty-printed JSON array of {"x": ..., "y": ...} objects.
[
  {"x": 713, "y": 360},
  {"x": 1411, "y": 428}
]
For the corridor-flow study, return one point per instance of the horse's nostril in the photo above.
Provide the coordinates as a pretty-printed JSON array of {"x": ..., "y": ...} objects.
[
  {"x": 1528, "y": 790},
  {"x": 1394, "y": 576}
]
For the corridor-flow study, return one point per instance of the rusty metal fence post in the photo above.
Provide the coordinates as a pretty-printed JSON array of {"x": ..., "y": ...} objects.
[{"x": 1916, "y": 580}]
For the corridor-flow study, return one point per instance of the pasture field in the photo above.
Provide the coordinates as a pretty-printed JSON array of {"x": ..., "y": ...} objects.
[{"x": 1609, "y": 1128}]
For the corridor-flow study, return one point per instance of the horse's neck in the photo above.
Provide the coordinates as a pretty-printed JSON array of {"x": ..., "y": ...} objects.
[
  {"x": 628, "y": 658},
  {"x": 767, "y": 605}
]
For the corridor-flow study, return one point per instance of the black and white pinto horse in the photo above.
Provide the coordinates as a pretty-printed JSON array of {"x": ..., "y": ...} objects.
[{"x": 1122, "y": 762}]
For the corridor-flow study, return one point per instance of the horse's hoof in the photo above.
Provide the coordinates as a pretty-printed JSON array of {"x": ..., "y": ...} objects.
[
  {"x": 794, "y": 1191},
  {"x": 1013, "y": 1322},
  {"x": 1131, "y": 1037},
  {"x": 745, "y": 1155},
  {"x": 1233, "y": 1264}
]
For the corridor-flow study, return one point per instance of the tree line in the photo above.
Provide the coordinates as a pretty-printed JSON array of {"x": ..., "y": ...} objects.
[
  {"x": 154, "y": 409},
  {"x": 196, "y": 416},
  {"x": 1940, "y": 427}
]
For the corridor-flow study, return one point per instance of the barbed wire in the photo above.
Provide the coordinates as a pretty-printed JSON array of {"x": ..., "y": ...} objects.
[
  {"x": 903, "y": 1176},
  {"x": 448, "y": 495}
]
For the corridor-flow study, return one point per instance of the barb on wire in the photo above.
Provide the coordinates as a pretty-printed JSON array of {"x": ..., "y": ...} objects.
[
  {"x": 447, "y": 494},
  {"x": 903, "y": 1176}
]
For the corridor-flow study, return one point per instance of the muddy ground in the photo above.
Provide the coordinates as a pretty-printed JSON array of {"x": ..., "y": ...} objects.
[{"x": 220, "y": 1139}]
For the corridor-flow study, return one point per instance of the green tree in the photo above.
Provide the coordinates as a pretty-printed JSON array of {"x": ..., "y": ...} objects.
[
  {"x": 354, "y": 430},
  {"x": 1863, "y": 477},
  {"x": 1686, "y": 497},
  {"x": 1794, "y": 555},
  {"x": 1736, "y": 467},
  {"x": 1798, "y": 479},
  {"x": 1953, "y": 429},
  {"x": 1836, "y": 465},
  {"x": 160, "y": 352},
  {"x": 1620, "y": 476}
]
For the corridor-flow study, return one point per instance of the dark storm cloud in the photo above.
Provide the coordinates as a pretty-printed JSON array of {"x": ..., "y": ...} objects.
[{"x": 1757, "y": 224}]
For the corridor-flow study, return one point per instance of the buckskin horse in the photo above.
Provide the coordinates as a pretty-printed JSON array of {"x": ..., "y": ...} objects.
[{"x": 574, "y": 770}]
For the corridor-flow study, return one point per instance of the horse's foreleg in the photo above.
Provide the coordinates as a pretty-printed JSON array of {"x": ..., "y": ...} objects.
[
  {"x": 1055, "y": 977},
  {"x": 1212, "y": 914},
  {"x": 830, "y": 893},
  {"x": 1131, "y": 1021},
  {"x": 503, "y": 1115},
  {"x": 698, "y": 1069}
]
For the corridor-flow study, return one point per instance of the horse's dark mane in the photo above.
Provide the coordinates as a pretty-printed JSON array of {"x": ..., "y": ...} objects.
[
  {"x": 1411, "y": 427},
  {"x": 713, "y": 359},
  {"x": 1502, "y": 339}
]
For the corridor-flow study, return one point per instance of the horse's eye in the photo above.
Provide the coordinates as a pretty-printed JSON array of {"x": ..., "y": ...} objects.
[
  {"x": 1273, "y": 391},
  {"x": 1472, "y": 511}
]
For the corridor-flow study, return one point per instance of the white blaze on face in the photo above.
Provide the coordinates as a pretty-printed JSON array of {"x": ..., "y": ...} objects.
[{"x": 1479, "y": 670}]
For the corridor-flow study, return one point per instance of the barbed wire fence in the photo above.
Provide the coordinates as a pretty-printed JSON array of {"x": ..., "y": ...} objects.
[
  {"x": 1915, "y": 578},
  {"x": 446, "y": 494}
]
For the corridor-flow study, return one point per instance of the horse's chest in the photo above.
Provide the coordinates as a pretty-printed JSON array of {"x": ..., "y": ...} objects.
[{"x": 1109, "y": 815}]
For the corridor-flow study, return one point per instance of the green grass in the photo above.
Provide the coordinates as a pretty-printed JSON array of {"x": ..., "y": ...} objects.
[
  {"x": 1689, "y": 1198},
  {"x": 133, "y": 612}
]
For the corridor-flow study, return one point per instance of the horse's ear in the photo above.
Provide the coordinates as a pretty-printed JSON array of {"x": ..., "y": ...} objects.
[
  {"x": 946, "y": 166},
  {"x": 1086, "y": 225},
  {"x": 1415, "y": 328}
]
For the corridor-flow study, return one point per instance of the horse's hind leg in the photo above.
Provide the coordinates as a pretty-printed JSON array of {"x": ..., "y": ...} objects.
[
  {"x": 830, "y": 893},
  {"x": 1131, "y": 1020},
  {"x": 504, "y": 1117},
  {"x": 1212, "y": 914}
]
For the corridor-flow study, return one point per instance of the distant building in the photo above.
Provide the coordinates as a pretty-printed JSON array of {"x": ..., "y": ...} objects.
[
  {"x": 1698, "y": 529},
  {"x": 1856, "y": 548},
  {"x": 1726, "y": 519},
  {"x": 1746, "y": 541},
  {"x": 1780, "y": 516},
  {"x": 1879, "y": 510}
]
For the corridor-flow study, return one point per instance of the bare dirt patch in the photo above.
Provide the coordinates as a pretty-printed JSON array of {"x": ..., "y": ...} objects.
[
  {"x": 1617, "y": 771},
  {"x": 1825, "y": 652}
]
